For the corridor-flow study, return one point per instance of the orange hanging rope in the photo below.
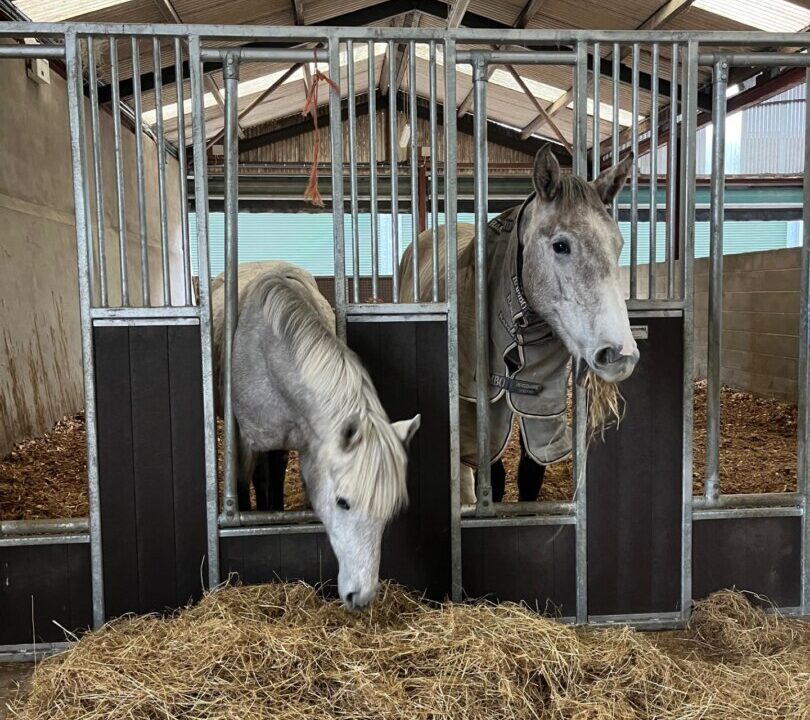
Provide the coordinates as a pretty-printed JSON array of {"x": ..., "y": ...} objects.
[{"x": 312, "y": 194}]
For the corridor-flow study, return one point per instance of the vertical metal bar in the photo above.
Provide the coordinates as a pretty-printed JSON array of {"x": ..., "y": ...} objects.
[
  {"x": 393, "y": 149},
  {"x": 711, "y": 488},
  {"x": 484, "y": 505},
  {"x": 80, "y": 192},
  {"x": 230, "y": 72},
  {"x": 183, "y": 170},
  {"x": 634, "y": 177},
  {"x": 451, "y": 296},
  {"x": 140, "y": 173},
  {"x": 803, "y": 485},
  {"x": 672, "y": 175},
  {"x": 98, "y": 175},
  {"x": 352, "y": 101},
  {"x": 204, "y": 272},
  {"x": 161, "y": 154},
  {"x": 651, "y": 268},
  {"x": 336, "y": 135},
  {"x": 434, "y": 173},
  {"x": 616, "y": 129},
  {"x": 372, "y": 161},
  {"x": 580, "y": 402},
  {"x": 596, "y": 75},
  {"x": 686, "y": 148},
  {"x": 413, "y": 120},
  {"x": 119, "y": 172}
]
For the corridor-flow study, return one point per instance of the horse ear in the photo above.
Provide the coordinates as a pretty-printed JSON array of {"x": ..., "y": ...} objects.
[
  {"x": 612, "y": 180},
  {"x": 350, "y": 433},
  {"x": 406, "y": 429},
  {"x": 546, "y": 173}
]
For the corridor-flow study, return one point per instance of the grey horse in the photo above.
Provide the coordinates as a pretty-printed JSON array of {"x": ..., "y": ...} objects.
[
  {"x": 295, "y": 385},
  {"x": 554, "y": 294}
]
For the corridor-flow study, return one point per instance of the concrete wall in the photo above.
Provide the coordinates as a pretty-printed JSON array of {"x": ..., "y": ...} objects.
[
  {"x": 761, "y": 296},
  {"x": 40, "y": 351}
]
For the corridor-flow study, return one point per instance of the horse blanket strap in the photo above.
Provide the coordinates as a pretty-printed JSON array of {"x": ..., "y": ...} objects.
[{"x": 528, "y": 362}]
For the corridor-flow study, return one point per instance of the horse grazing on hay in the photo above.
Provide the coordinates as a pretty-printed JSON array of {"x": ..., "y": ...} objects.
[
  {"x": 555, "y": 299},
  {"x": 295, "y": 385}
]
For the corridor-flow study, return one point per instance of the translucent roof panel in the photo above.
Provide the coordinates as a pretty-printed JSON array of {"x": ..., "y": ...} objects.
[
  {"x": 58, "y": 10},
  {"x": 769, "y": 15}
]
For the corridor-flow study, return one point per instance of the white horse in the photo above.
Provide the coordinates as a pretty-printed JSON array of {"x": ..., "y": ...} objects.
[{"x": 295, "y": 385}]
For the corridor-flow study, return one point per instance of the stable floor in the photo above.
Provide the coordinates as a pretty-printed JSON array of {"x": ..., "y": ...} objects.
[{"x": 13, "y": 678}]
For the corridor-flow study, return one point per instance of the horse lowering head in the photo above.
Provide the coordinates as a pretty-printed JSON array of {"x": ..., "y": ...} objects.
[
  {"x": 570, "y": 249},
  {"x": 356, "y": 481}
]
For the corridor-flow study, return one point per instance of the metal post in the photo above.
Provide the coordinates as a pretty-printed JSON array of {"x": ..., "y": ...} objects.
[
  {"x": 634, "y": 176},
  {"x": 393, "y": 149},
  {"x": 595, "y": 74},
  {"x": 711, "y": 487},
  {"x": 372, "y": 161},
  {"x": 580, "y": 401},
  {"x": 336, "y": 137},
  {"x": 687, "y": 147},
  {"x": 413, "y": 120},
  {"x": 119, "y": 172},
  {"x": 230, "y": 72},
  {"x": 140, "y": 174},
  {"x": 161, "y": 154},
  {"x": 183, "y": 170},
  {"x": 653, "y": 189},
  {"x": 206, "y": 345},
  {"x": 98, "y": 175},
  {"x": 616, "y": 100},
  {"x": 484, "y": 486},
  {"x": 80, "y": 192},
  {"x": 434, "y": 174},
  {"x": 352, "y": 111},
  {"x": 451, "y": 296},
  {"x": 672, "y": 175},
  {"x": 803, "y": 486}
]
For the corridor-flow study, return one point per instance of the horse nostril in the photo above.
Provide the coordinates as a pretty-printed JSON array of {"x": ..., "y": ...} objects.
[
  {"x": 607, "y": 355},
  {"x": 350, "y": 598}
]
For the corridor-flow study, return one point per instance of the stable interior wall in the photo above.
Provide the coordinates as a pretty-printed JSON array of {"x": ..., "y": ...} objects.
[{"x": 40, "y": 348}]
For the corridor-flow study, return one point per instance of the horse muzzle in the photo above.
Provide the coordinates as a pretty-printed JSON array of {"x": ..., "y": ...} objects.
[{"x": 614, "y": 364}]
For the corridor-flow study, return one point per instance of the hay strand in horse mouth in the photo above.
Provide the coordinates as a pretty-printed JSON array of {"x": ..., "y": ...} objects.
[
  {"x": 279, "y": 651},
  {"x": 605, "y": 405}
]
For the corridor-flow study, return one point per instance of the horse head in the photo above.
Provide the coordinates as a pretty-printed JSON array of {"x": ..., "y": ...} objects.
[{"x": 570, "y": 249}]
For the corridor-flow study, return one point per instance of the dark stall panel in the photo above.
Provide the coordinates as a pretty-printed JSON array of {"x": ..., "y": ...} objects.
[
  {"x": 761, "y": 555},
  {"x": 534, "y": 564},
  {"x": 41, "y": 585},
  {"x": 634, "y": 485},
  {"x": 407, "y": 361}
]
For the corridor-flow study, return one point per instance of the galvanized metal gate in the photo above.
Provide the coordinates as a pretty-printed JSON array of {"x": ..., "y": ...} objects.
[{"x": 620, "y": 551}]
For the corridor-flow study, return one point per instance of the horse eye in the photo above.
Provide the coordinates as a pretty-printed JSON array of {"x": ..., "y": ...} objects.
[
  {"x": 561, "y": 247},
  {"x": 342, "y": 504}
]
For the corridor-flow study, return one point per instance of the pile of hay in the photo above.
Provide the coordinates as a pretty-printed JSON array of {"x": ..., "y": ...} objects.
[{"x": 279, "y": 651}]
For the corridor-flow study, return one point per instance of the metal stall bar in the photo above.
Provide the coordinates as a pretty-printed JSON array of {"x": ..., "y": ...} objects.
[
  {"x": 451, "y": 296},
  {"x": 484, "y": 506},
  {"x": 201, "y": 209},
  {"x": 616, "y": 129},
  {"x": 672, "y": 175},
  {"x": 803, "y": 486},
  {"x": 119, "y": 172},
  {"x": 434, "y": 175},
  {"x": 653, "y": 184},
  {"x": 634, "y": 176},
  {"x": 101, "y": 253},
  {"x": 230, "y": 72},
  {"x": 77, "y": 146},
  {"x": 687, "y": 149},
  {"x": 352, "y": 101},
  {"x": 183, "y": 171},
  {"x": 597, "y": 58},
  {"x": 393, "y": 151},
  {"x": 140, "y": 174},
  {"x": 336, "y": 137},
  {"x": 711, "y": 488},
  {"x": 372, "y": 161},
  {"x": 580, "y": 449},
  {"x": 161, "y": 154},
  {"x": 413, "y": 121}
]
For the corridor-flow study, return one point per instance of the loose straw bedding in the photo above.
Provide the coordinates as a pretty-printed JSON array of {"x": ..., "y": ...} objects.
[{"x": 280, "y": 651}]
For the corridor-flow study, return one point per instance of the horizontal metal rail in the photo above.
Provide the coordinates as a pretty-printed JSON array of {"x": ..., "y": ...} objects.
[
  {"x": 525, "y": 508},
  {"x": 48, "y": 52},
  {"x": 750, "y": 500},
  {"x": 396, "y": 308},
  {"x": 141, "y": 313},
  {"x": 280, "y": 517},
  {"x": 527, "y": 57},
  {"x": 745, "y": 512},
  {"x": 292, "y": 55},
  {"x": 763, "y": 59},
  {"x": 261, "y": 530},
  {"x": 25, "y": 540},
  {"x": 44, "y": 526}
]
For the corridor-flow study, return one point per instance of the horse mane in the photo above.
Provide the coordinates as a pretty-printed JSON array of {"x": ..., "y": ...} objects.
[
  {"x": 573, "y": 191},
  {"x": 374, "y": 476}
]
